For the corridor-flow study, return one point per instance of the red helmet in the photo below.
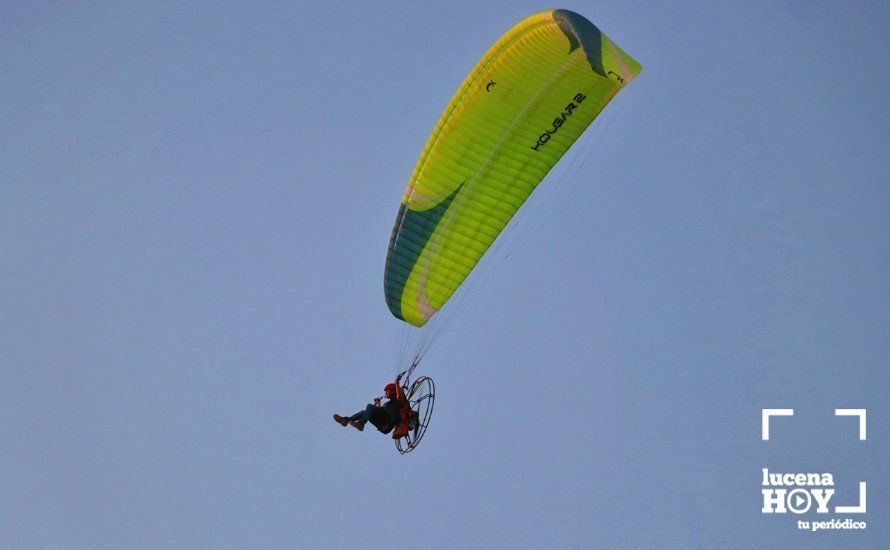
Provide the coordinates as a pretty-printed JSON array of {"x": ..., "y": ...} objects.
[{"x": 391, "y": 390}]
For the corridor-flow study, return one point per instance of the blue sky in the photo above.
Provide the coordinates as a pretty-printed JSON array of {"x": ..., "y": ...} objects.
[{"x": 195, "y": 203}]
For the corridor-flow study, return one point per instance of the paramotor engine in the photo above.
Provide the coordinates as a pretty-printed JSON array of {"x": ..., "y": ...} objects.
[{"x": 421, "y": 397}]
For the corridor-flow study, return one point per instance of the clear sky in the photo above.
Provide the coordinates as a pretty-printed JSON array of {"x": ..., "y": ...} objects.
[{"x": 195, "y": 204}]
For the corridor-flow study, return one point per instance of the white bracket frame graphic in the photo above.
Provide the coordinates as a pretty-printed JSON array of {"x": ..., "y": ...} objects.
[
  {"x": 765, "y": 415},
  {"x": 859, "y": 509},
  {"x": 861, "y": 413}
]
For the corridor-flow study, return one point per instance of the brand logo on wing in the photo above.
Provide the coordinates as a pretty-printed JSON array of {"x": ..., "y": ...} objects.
[{"x": 559, "y": 121}]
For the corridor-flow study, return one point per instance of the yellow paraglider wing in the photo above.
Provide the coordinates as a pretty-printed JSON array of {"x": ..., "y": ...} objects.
[{"x": 520, "y": 109}]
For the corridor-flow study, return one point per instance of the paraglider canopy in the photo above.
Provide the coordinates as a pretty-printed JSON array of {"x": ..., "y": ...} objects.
[{"x": 519, "y": 110}]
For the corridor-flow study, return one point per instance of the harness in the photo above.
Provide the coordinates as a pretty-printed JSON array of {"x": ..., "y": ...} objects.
[{"x": 402, "y": 429}]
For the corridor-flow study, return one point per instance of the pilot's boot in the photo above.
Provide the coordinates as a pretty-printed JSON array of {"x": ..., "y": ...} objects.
[
  {"x": 343, "y": 421},
  {"x": 357, "y": 425}
]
